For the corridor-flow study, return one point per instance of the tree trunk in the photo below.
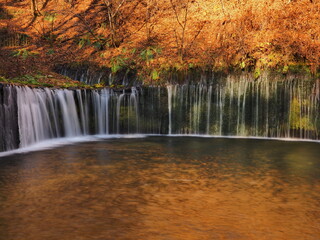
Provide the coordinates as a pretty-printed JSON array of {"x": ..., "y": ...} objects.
[{"x": 34, "y": 8}]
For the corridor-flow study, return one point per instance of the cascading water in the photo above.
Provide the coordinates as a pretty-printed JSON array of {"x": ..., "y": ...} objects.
[
  {"x": 9, "y": 131},
  {"x": 171, "y": 92},
  {"x": 84, "y": 74},
  {"x": 277, "y": 109},
  {"x": 92, "y": 75},
  {"x": 264, "y": 108}
]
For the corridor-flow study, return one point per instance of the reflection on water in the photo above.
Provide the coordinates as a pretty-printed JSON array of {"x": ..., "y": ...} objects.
[{"x": 163, "y": 188}]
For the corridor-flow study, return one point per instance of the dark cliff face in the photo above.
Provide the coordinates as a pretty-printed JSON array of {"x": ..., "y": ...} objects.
[{"x": 9, "y": 130}]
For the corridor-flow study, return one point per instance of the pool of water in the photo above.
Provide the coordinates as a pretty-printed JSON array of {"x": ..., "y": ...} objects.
[{"x": 163, "y": 188}]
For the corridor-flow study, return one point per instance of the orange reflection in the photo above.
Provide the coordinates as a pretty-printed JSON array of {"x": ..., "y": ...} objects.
[{"x": 151, "y": 196}]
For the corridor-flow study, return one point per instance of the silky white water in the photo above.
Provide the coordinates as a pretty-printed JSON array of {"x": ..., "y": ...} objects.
[{"x": 262, "y": 108}]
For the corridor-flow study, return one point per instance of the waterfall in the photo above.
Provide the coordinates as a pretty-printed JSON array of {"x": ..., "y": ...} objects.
[
  {"x": 83, "y": 110},
  {"x": 170, "y": 93},
  {"x": 119, "y": 101},
  {"x": 208, "y": 109},
  {"x": 84, "y": 74},
  {"x": 263, "y": 108},
  {"x": 101, "y": 107},
  {"x": 9, "y": 130},
  {"x": 234, "y": 107}
]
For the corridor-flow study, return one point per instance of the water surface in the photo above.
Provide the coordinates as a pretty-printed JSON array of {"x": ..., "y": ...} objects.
[{"x": 163, "y": 188}]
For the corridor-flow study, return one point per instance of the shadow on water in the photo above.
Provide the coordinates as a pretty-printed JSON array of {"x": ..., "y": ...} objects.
[{"x": 163, "y": 188}]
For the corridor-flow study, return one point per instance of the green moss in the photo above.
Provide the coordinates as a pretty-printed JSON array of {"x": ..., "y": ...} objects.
[
  {"x": 299, "y": 68},
  {"x": 98, "y": 85},
  {"x": 3, "y": 79},
  {"x": 154, "y": 74},
  {"x": 257, "y": 73},
  {"x": 24, "y": 53},
  {"x": 117, "y": 63},
  {"x": 298, "y": 119},
  {"x": 27, "y": 80},
  {"x": 47, "y": 85}
]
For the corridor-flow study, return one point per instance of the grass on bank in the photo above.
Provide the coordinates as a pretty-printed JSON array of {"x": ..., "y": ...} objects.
[
  {"x": 50, "y": 81},
  {"x": 40, "y": 80}
]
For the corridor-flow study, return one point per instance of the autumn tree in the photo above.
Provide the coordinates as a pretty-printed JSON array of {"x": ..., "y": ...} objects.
[
  {"x": 152, "y": 9},
  {"x": 218, "y": 33},
  {"x": 189, "y": 24},
  {"x": 34, "y": 8},
  {"x": 181, "y": 10},
  {"x": 113, "y": 12}
]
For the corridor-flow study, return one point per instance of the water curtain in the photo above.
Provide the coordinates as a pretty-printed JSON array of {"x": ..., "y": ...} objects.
[{"x": 271, "y": 109}]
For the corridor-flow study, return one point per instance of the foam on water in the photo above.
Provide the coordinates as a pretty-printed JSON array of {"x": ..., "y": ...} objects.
[
  {"x": 58, "y": 142},
  {"x": 286, "y": 110}
]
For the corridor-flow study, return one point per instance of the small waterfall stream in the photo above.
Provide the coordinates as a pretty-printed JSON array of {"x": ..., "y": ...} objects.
[
  {"x": 9, "y": 131},
  {"x": 264, "y": 108}
]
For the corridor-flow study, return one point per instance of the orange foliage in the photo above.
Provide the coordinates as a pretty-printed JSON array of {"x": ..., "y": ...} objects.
[{"x": 215, "y": 33}]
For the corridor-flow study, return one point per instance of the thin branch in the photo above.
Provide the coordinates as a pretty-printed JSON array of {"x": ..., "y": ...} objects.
[
  {"x": 176, "y": 13},
  {"x": 88, "y": 27},
  {"x": 197, "y": 34}
]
